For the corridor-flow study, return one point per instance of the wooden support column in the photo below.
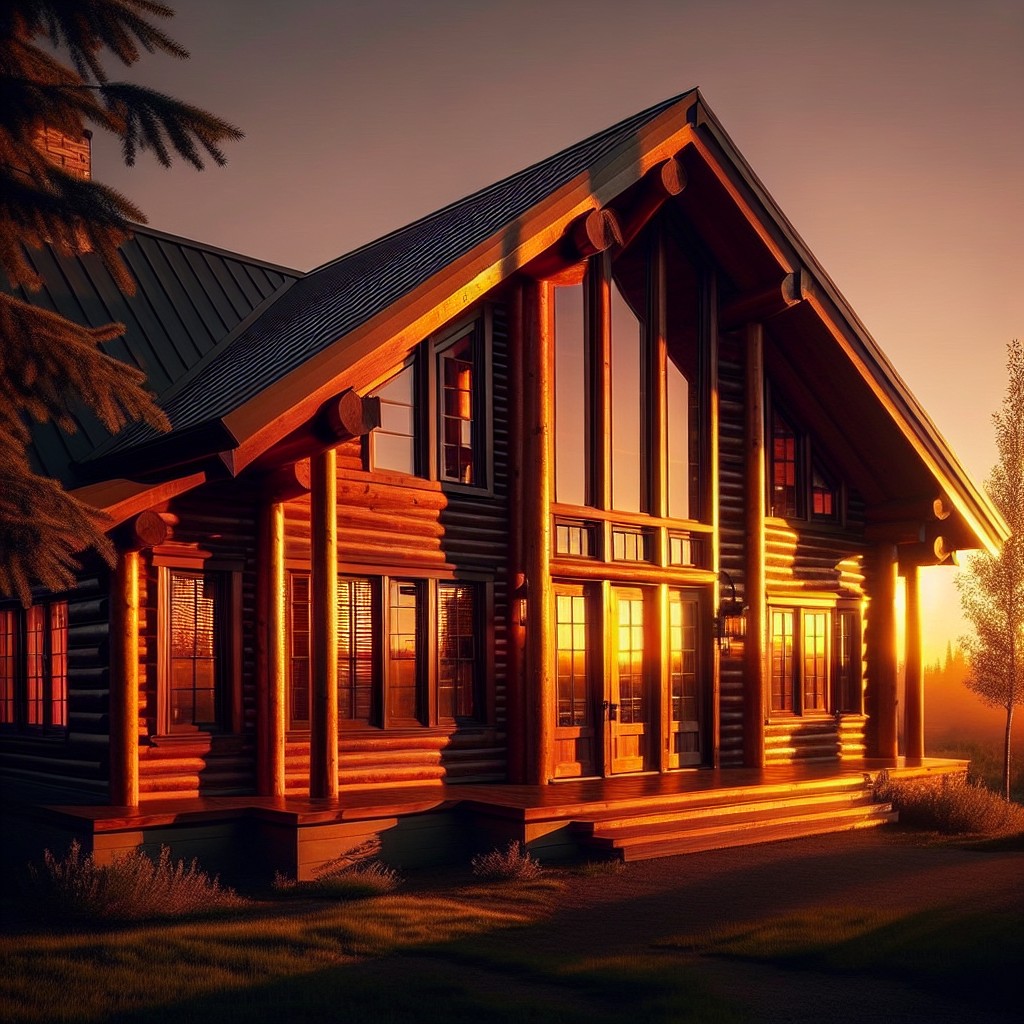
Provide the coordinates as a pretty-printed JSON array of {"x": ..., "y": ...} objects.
[
  {"x": 536, "y": 526},
  {"x": 323, "y": 724},
  {"x": 913, "y": 713},
  {"x": 124, "y": 681},
  {"x": 280, "y": 485},
  {"x": 270, "y": 651},
  {"x": 880, "y": 639},
  {"x": 515, "y": 706},
  {"x": 145, "y": 530},
  {"x": 755, "y": 589}
]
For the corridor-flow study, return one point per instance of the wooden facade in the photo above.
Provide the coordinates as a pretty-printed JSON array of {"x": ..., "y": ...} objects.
[{"x": 618, "y": 486}]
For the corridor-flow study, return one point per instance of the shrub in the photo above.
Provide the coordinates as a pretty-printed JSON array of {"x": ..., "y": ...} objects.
[
  {"x": 352, "y": 875},
  {"x": 513, "y": 863},
  {"x": 954, "y": 806},
  {"x": 132, "y": 888}
]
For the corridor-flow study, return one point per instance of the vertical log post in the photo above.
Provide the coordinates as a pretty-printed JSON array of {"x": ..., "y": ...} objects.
[
  {"x": 515, "y": 710},
  {"x": 913, "y": 721},
  {"x": 880, "y": 695},
  {"x": 536, "y": 523},
  {"x": 124, "y": 681},
  {"x": 755, "y": 590},
  {"x": 323, "y": 724},
  {"x": 270, "y": 651}
]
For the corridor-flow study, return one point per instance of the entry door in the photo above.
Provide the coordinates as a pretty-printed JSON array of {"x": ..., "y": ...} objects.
[{"x": 628, "y": 706}]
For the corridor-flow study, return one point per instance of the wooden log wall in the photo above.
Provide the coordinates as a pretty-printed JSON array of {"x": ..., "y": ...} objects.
[
  {"x": 398, "y": 525},
  {"x": 73, "y": 768},
  {"x": 221, "y": 519},
  {"x": 802, "y": 559}
]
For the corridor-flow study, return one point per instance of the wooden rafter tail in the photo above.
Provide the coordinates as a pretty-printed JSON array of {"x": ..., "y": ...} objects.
[
  {"x": 592, "y": 232},
  {"x": 146, "y": 530},
  {"x": 283, "y": 483},
  {"x": 340, "y": 418},
  {"x": 756, "y": 307},
  {"x": 658, "y": 185}
]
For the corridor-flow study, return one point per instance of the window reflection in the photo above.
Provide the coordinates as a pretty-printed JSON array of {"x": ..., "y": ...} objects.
[
  {"x": 570, "y": 397},
  {"x": 627, "y": 401}
]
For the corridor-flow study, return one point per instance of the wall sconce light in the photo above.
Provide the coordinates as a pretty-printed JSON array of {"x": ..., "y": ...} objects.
[
  {"x": 520, "y": 594},
  {"x": 731, "y": 620}
]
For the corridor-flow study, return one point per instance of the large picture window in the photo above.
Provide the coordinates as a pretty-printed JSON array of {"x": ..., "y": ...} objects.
[
  {"x": 390, "y": 673},
  {"x": 34, "y": 667}
]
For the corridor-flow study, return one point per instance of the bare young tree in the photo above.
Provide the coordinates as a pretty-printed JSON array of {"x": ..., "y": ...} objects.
[
  {"x": 48, "y": 365},
  {"x": 992, "y": 589}
]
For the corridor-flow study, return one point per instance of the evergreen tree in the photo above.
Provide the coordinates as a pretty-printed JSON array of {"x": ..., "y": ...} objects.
[
  {"x": 53, "y": 75},
  {"x": 992, "y": 589}
]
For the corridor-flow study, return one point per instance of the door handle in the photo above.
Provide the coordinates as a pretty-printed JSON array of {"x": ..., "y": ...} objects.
[{"x": 612, "y": 709}]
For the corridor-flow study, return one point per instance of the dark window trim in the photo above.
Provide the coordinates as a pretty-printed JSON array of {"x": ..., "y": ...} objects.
[{"x": 18, "y": 701}]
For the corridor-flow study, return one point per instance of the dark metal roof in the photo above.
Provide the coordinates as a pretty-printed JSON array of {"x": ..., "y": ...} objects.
[
  {"x": 338, "y": 297},
  {"x": 188, "y": 297}
]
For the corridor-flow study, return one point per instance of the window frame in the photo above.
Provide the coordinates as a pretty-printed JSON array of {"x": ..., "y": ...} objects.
[
  {"x": 227, "y": 643},
  {"x": 795, "y": 685},
  {"x": 15, "y": 700},
  {"x": 383, "y": 716}
]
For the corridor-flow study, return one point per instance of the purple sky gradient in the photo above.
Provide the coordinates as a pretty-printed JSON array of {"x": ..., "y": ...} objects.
[{"x": 891, "y": 133}]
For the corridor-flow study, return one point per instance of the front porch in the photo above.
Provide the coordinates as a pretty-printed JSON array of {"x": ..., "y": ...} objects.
[{"x": 633, "y": 817}]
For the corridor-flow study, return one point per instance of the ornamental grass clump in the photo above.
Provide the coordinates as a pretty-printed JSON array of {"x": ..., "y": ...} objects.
[
  {"x": 131, "y": 888},
  {"x": 513, "y": 864},
  {"x": 351, "y": 875},
  {"x": 954, "y": 806}
]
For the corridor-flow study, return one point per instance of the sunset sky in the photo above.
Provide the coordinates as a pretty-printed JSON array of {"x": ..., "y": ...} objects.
[{"x": 891, "y": 132}]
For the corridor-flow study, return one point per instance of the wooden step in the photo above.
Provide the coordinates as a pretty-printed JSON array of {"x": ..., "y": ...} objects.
[
  {"x": 665, "y": 840},
  {"x": 747, "y": 809}
]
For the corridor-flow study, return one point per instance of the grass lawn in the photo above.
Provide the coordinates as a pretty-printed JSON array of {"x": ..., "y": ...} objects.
[{"x": 562, "y": 948}]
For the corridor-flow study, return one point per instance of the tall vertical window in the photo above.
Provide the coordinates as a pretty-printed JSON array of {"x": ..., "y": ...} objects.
[
  {"x": 394, "y": 441},
  {"x": 782, "y": 660},
  {"x": 8, "y": 665},
  {"x": 785, "y": 485},
  {"x": 403, "y": 656},
  {"x": 195, "y": 670},
  {"x": 683, "y": 682},
  {"x": 572, "y": 456},
  {"x": 299, "y": 675},
  {"x": 456, "y": 380},
  {"x": 630, "y": 648},
  {"x": 847, "y": 662},
  {"x": 681, "y": 442},
  {"x": 457, "y": 658},
  {"x": 34, "y": 666},
  {"x": 801, "y": 666},
  {"x": 824, "y": 503},
  {"x": 571, "y": 663},
  {"x": 815, "y": 660},
  {"x": 355, "y": 650},
  {"x": 627, "y": 404}
]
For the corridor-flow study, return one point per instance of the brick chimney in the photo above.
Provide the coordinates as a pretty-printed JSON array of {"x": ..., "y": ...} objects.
[{"x": 73, "y": 155}]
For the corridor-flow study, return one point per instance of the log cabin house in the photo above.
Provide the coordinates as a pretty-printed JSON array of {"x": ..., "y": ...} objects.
[{"x": 573, "y": 512}]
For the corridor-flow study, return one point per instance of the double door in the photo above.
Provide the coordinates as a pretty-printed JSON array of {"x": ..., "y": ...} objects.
[{"x": 627, "y": 677}]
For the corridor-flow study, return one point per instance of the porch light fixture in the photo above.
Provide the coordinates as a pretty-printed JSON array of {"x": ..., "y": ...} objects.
[
  {"x": 520, "y": 593},
  {"x": 731, "y": 620}
]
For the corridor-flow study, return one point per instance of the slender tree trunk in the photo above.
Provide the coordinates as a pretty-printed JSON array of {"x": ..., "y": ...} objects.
[{"x": 1006, "y": 750}]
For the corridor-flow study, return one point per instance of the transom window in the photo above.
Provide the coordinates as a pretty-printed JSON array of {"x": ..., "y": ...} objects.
[{"x": 34, "y": 667}]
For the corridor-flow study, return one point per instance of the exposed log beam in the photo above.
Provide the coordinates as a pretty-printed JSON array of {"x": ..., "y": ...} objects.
[
  {"x": 283, "y": 483},
  {"x": 592, "y": 232},
  {"x": 146, "y": 530},
  {"x": 761, "y": 305},
  {"x": 928, "y": 552},
  {"x": 924, "y": 510},
  {"x": 659, "y": 184},
  {"x": 913, "y": 712},
  {"x": 344, "y": 416},
  {"x": 124, "y": 680}
]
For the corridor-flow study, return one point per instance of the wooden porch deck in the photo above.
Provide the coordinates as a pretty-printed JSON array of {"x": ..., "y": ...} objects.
[{"x": 629, "y": 816}]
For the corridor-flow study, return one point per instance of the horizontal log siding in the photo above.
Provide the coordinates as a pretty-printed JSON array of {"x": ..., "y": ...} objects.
[
  {"x": 732, "y": 541},
  {"x": 402, "y": 526},
  {"x": 221, "y": 519},
  {"x": 72, "y": 767}
]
